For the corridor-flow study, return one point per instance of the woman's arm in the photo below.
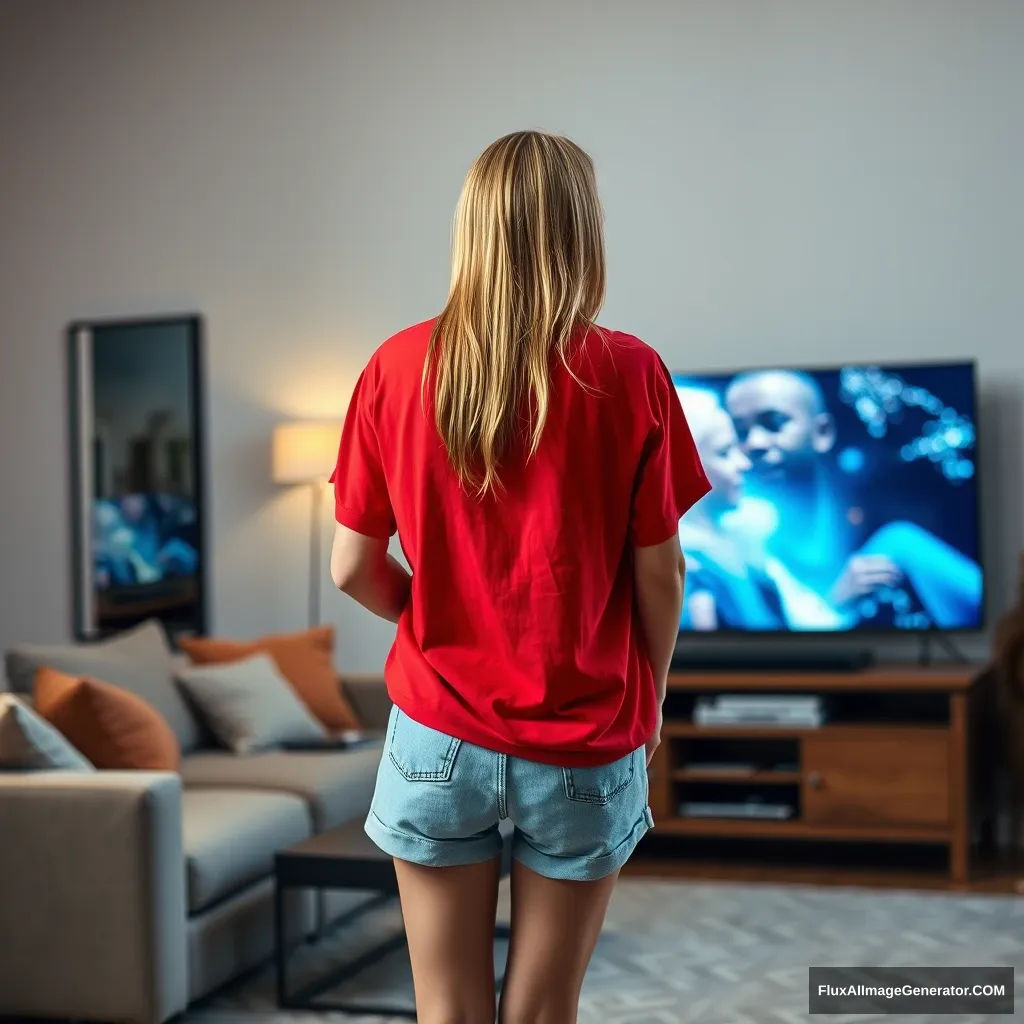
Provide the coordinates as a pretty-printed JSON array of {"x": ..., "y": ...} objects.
[
  {"x": 659, "y": 572},
  {"x": 362, "y": 568}
]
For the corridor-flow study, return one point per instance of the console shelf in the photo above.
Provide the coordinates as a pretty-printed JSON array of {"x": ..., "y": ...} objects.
[
  {"x": 891, "y": 780},
  {"x": 688, "y": 729},
  {"x": 794, "y": 829}
]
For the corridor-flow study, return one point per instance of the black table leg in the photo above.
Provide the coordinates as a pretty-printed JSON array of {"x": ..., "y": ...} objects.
[
  {"x": 280, "y": 945},
  {"x": 306, "y": 997}
]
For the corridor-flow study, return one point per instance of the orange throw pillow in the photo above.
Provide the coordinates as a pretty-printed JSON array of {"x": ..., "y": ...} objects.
[
  {"x": 113, "y": 728},
  {"x": 305, "y": 659}
]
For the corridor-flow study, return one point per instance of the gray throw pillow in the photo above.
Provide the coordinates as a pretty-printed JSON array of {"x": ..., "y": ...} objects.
[
  {"x": 139, "y": 660},
  {"x": 248, "y": 705},
  {"x": 30, "y": 743}
]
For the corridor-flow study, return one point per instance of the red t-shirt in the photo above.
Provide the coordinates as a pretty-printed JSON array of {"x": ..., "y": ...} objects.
[{"x": 521, "y": 633}]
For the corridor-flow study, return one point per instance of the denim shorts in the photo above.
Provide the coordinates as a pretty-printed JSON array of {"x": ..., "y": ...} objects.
[{"x": 439, "y": 800}]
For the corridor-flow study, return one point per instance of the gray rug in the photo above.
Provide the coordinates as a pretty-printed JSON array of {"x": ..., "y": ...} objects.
[{"x": 679, "y": 953}]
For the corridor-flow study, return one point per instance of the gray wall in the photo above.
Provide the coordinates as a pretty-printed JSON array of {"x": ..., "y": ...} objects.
[{"x": 785, "y": 181}]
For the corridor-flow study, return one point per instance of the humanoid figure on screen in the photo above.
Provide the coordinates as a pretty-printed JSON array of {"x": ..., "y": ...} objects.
[
  {"x": 836, "y": 541},
  {"x": 726, "y": 587},
  {"x": 732, "y": 582}
]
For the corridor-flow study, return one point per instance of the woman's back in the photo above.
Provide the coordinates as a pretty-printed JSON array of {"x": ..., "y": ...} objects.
[{"x": 519, "y": 635}]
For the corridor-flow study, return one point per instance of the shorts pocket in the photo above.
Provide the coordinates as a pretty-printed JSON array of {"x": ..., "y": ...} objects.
[
  {"x": 599, "y": 784},
  {"x": 420, "y": 753}
]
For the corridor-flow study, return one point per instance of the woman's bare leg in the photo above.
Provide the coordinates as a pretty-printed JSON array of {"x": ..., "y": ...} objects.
[
  {"x": 449, "y": 920},
  {"x": 554, "y": 929}
]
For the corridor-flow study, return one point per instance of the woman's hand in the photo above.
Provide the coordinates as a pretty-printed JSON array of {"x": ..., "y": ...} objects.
[{"x": 655, "y": 741}]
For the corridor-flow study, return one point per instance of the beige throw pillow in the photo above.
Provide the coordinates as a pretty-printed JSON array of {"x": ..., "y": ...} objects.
[
  {"x": 248, "y": 705},
  {"x": 29, "y": 743}
]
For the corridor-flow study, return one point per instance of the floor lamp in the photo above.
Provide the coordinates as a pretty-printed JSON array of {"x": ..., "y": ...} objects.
[{"x": 303, "y": 453}]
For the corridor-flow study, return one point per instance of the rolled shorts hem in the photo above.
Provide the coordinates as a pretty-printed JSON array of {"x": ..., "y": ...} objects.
[
  {"x": 582, "y": 868},
  {"x": 432, "y": 853}
]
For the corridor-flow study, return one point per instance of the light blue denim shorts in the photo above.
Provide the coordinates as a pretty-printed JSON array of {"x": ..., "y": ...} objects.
[{"x": 439, "y": 800}]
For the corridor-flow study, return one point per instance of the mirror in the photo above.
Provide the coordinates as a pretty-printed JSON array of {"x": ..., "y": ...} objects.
[{"x": 136, "y": 464}]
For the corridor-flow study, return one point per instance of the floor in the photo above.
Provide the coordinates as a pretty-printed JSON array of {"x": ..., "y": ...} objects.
[{"x": 683, "y": 953}]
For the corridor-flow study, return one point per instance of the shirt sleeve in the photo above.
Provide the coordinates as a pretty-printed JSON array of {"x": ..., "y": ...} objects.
[
  {"x": 361, "y": 499},
  {"x": 670, "y": 479}
]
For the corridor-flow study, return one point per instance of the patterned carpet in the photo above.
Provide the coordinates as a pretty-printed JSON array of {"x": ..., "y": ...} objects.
[{"x": 675, "y": 953}]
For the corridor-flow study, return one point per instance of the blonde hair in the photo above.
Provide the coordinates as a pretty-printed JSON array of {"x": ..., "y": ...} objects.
[{"x": 528, "y": 272}]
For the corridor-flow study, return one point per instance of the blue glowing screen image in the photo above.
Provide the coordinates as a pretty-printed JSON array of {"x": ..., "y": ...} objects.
[{"x": 841, "y": 499}]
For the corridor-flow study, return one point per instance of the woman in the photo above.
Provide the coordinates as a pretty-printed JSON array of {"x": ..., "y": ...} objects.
[
  {"x": 726, "y": 588},
  {"x": 535, "y": 469}
]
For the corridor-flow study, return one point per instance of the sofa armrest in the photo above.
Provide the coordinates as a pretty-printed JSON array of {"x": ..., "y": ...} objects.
[
  {"x": 370, "y": 699},
  {"x": 92, "y": 891}
]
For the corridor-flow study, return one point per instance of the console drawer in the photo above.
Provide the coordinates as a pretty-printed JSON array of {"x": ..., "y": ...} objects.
[{"x": 897, "y": 779}]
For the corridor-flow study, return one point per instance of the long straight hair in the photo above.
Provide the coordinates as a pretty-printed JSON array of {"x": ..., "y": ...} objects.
[{"x": 528, "y": 273}]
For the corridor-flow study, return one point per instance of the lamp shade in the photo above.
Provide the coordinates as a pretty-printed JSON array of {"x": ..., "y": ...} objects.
[{"x": 305, "y": 451}]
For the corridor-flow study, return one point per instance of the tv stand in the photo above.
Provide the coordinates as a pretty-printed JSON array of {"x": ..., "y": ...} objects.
[
  {"x": 893, "y": 787},
  {"x": 747, "y": 657}
]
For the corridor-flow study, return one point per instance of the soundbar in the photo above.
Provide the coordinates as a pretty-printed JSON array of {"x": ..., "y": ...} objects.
[{"x": 744, "y": 657}]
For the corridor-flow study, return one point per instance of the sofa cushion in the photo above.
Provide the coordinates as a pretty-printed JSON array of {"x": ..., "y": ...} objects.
[
  {"x": 113, "y": 728},
  {"x": 249, "y": 706},
  {"x": 305, "y": 659},
  {"x": 337, "y": 785},
  {"x": 230, "y": 837},
  {"x": 29, "y": 743},
  {"x": 138, "y": 660}
]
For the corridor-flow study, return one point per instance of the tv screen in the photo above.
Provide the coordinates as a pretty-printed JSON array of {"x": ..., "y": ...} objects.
[{"x": 842, "y": 499}]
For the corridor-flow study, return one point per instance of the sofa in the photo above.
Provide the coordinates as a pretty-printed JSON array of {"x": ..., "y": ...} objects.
[{"x": 128, "y": 895}]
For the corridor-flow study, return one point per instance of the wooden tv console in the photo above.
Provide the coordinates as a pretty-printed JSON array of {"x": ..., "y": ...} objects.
[{"x": 892, "y": 784}]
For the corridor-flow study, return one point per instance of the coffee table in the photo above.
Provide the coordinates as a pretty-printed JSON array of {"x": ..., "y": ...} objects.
[{"x": 344, "y": 858}]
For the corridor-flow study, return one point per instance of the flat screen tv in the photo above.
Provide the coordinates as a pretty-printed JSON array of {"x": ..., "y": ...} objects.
[{"x": 842, "y": 499}]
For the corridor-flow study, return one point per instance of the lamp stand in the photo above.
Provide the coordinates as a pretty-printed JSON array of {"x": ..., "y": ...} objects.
[{"x": 315, "y": 531}]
